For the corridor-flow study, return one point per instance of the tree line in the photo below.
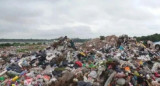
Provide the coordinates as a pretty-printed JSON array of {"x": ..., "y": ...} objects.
[{"x": 154, "y": 37}]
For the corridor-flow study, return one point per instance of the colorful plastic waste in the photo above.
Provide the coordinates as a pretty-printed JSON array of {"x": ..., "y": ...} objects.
[
  {"x": 2, "y": 78},
  {"x": 113, "y": 61},
  {"x": 15, "y": 78}
]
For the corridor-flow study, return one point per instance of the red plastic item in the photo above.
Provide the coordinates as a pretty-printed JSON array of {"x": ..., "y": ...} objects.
[
  {"x": 156, "y": 74},
  {"x": 78, "y": 63}
]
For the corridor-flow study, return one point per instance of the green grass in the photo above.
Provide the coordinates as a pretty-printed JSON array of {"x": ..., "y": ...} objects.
[{"x": 22, "y": 50}]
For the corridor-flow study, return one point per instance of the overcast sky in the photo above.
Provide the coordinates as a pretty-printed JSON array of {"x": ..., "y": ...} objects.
[{"x": 78, "y": 18}]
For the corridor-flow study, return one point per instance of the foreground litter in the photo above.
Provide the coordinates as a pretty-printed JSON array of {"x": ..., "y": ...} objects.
[{"x": 112, "y": 61}]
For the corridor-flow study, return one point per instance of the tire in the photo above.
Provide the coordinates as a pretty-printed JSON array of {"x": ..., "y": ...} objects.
[{"x": 157, "y": 47}]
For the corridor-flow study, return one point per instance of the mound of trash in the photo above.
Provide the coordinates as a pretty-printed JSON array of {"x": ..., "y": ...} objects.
[{"x": 105, "y": 61}]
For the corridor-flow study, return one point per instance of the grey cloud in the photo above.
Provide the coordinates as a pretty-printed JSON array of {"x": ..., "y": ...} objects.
[{"x": 78, "y": 18}]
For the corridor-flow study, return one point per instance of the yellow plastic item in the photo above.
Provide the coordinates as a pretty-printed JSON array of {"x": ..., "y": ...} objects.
[
  {"x": 13, "y": 85},
  {"x": 141, "y": 63},
  {"x": 143, "y": 45},
  {"x": 15, "y": 78},
  {"x": 82, "y": 53},
  {"x": 136, "y": 73}
]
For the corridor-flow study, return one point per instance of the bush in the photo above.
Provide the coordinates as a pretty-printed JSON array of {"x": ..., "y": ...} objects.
[{"x": 102, "y": 37}]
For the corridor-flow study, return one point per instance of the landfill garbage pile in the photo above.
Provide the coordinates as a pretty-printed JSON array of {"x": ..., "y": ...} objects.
[
  {"x": 98, "y": 43},
  {"x": 113, "y": 61}
]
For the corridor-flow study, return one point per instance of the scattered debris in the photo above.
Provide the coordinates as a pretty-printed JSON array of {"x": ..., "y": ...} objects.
[{"x": 104, "y": 61}]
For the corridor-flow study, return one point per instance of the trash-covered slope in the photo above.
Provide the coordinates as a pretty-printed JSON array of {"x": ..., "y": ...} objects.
[{"x": 99, "y": 62}]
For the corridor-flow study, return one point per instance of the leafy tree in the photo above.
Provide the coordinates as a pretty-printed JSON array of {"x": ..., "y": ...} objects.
[{"x": 155, "y": 37}]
